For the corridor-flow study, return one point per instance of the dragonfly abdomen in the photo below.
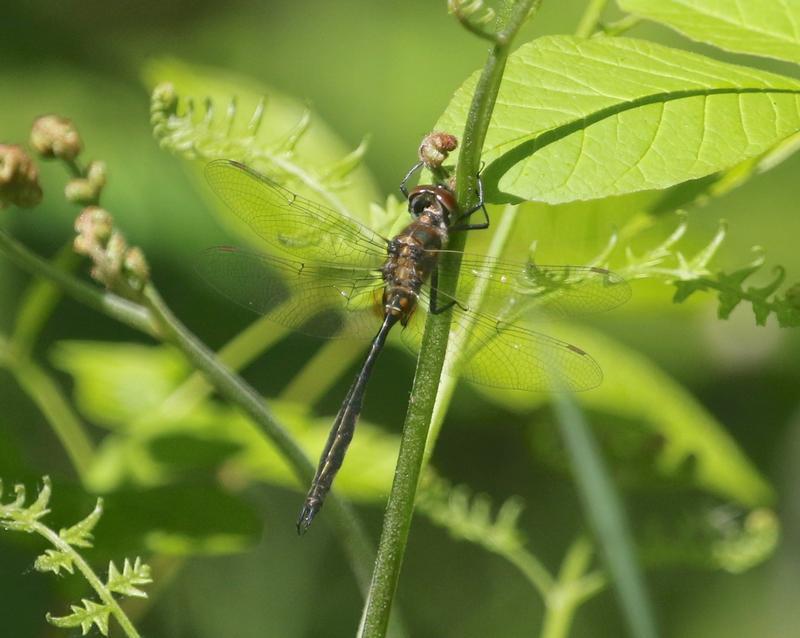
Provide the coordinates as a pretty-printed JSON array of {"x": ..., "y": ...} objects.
[{"x": 342, "y": 432}]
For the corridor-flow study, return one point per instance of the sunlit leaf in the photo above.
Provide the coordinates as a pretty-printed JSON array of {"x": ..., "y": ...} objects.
[
  {"x": 762, "y": 27},
  {"x": 115, "y": 383},
  {"x": 584, "y": 119}
]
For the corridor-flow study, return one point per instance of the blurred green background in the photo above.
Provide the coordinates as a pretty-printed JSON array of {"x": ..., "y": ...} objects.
[{"x": 387, "y": 70}]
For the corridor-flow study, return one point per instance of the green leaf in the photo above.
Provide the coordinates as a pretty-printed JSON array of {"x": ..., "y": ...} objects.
[
  {"x": 115, "y": 383},
  {"x": 769, "y": 28},
  {"x": 583, "y": 119},
  {"x": 656, "y": 426}
]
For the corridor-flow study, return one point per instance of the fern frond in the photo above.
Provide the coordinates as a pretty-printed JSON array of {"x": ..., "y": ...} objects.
[
  {"x": 15, "y": 516},
  {"x": 125, "y": 582},
  {"x": 719, "y": 537},
  {"x": 469, "y": 517},
  {"x": 80, "y": 534},
  {"x": 205, "y": 133},
  {"x": 731, "y": 291},
  {"x": 90, "y": 613},
  {"x": 54, "y": 560},
  {"x": 690, "y": 275},
  {"x": 473, "y": 10},
  {"x": 64, "y": 556}
]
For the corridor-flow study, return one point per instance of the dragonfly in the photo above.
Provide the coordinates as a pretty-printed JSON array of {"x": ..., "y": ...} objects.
[{"x": 328, "y": 275}]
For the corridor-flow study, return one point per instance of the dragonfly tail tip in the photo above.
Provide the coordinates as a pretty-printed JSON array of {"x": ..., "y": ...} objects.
[{"x": 306, "y": 517}]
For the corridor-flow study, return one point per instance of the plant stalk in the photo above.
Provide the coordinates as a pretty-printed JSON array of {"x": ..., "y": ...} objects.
[
  {"x": 108, "y": 303},
  {"x": 573, "y": 587},
  {"x": 400, "y": 506},
  {"x": 46, "y": 394},
  {"x": 38, "y": 304},
  {"x": 241, "y": 350},
  {"x": 591, "y": 18},
  {"x": 604, "y": 510}
]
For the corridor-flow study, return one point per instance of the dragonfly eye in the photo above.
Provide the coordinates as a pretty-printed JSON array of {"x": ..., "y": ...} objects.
[{"x": 418, "y": 204}]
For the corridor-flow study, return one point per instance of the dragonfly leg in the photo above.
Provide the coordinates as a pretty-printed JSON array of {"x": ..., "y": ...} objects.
[
  {"x": 414, "y": 169},
  {"x": 479, "y": 206},
  {"x": 434, "y": 307}
]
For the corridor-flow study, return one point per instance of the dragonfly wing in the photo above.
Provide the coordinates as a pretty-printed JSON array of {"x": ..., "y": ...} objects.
[
  {"x": 501, "y": 354},
  {"x": 291, "y": 223},
  {"x": 321, "y": 300},
  {"x": 512, "y": 290}
]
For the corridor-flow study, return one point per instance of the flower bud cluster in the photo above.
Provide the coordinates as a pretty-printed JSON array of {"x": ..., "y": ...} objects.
[
  {"x": 435, "y": 148},
  {"x": 86, "y": 190},
  {"x": 55, "y": 136},
  {"x": 163, "y": 108},
  {"x": 115, "y": 264},
  {"x": 19, "y": 178}
]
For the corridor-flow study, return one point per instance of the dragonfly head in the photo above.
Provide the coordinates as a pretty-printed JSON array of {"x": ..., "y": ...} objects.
[{"x": 435, "y": 200}]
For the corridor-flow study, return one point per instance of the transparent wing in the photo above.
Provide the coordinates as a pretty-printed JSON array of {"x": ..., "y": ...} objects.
[
  {"x": 291, "y": 223},
  {"x": 511, "y": 290},
  {"x": 321, "y": 300},
  {"x": 501, "y": 354}
]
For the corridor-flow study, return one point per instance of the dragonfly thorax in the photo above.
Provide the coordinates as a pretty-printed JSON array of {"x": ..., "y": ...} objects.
[
  {"x": 434, "y": 200},
  {"x": 412, "y": 256}
]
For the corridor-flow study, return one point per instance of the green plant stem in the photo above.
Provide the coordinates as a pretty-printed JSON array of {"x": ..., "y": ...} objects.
[
  {"x": 591, "y": 18},
  {"x": 88, "y": 573},
  {"x": 400, "y": 506},
  {"x": 329, "y": 363},
  {"x": 604, "y": 510},
  {"x": 165, "y": 569},
  {"x": 108, "y": 303},
  {"x": 38, "y": 304},
  {"x": 158, "y": 321},
  {"x": 47, "y": 396},
  {"x": 481, "y": 31},
  {"x": 74, "y": 168},
  {"x": 573, "y": 588},
  {"x": 532, "y": 569},
  {"x": 457, "y": 343},
  {"x": 244, "y": 348},
  {"x": 234, "y": 389},
  {"x": 618, "y": 27}
]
